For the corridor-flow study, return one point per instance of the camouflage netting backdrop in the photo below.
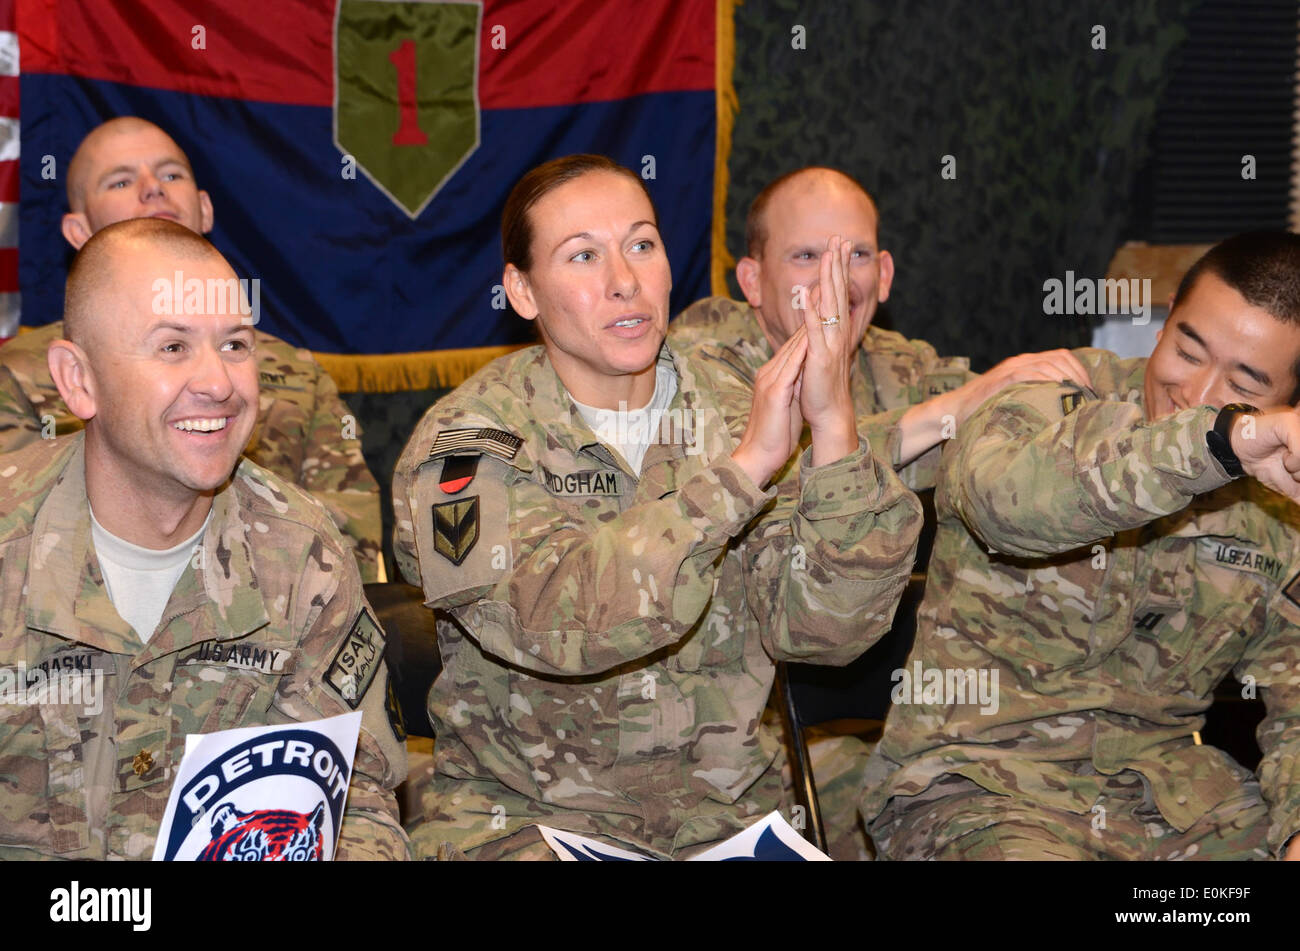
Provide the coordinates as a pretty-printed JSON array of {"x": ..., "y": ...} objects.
[{"x": 1047, "y": 132}]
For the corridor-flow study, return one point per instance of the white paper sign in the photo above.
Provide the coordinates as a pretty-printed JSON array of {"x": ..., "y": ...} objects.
[
  {"x": 262, "y": 793},
  {"x": 771, "y": 839}
]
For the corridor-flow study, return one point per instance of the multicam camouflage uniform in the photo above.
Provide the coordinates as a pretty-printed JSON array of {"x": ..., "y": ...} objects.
[
  {"x": 1132, "y": 577},
  {"x": 611, "y": 678},
  {"x": 298, "y": 434},
  {"x": 893, "y": 373},
  {"x": 274, "y": 591}
]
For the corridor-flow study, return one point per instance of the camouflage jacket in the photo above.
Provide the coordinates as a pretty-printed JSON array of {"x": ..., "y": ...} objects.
[
  {"x": 892, "y": 373},
  {"x": 1131, "y": 577},
  {"x": 612, "y": 678},
  {"x": 298, "y": 436},
  {"x": 274, "y": 584}
]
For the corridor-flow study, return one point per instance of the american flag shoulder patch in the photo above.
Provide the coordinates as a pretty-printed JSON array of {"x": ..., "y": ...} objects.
[{"x": 465, "y": 442}]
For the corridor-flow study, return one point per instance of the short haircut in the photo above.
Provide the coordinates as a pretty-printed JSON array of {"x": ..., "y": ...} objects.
[
  {"x": 516, "y": 222},
  {"x": 77, "y": 170},
  {"x": 1264, "y": 268},
  {"x": 92, "y": 267},
  {"x": 1261, "y": 266},
  {"x": 755, "y": 221}
]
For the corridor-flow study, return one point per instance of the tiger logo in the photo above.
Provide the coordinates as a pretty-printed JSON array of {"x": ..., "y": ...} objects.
[{"x": 265, "y": 835}]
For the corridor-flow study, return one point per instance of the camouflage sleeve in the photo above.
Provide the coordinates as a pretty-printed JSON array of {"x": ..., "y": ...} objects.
[
  {"x": 20, "y": 425},
  {"x": 1272, "y": 665},
  {"x": 827, "y": 566},
  {"x": 882, "y": 433},
  {"x": 906, "y": 373},
  {"x": 1041, "y": 469},
  {"x": 547, "y": 592},
  {"x": 343, "y": 670},
  {"x": 335, "y": 472}
]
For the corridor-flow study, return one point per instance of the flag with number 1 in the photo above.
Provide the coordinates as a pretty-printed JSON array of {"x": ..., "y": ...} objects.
[{"x": 359, "y": 152}]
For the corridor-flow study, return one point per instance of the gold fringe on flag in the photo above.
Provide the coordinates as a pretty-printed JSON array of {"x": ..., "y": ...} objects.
[
  {"x": 728, "y": 104},
  {"x": 421, "y": 370}
]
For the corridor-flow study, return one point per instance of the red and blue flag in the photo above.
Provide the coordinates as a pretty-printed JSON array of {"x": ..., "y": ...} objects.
[{"x": 359, "y": 152}]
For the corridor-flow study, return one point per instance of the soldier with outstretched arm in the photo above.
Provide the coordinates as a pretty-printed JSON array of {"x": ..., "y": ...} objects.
[{"x": 1106, "y": 555}]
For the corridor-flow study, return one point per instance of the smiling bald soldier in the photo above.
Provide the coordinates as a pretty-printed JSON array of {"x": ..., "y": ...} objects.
[
  {"x": 130, "y": 168},
  {"x": 1105, "y": 556},
  {"x": 207, "y": 592}
]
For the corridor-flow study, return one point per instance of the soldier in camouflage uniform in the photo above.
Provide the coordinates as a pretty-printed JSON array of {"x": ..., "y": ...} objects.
[
  {"x": 299, "y": 432},
  {"x": 1101, "y": 564},
  {"x": 618, "y": 622},
  {"x": 254, "y": 630},
  {"x": 908, "y": 399}
]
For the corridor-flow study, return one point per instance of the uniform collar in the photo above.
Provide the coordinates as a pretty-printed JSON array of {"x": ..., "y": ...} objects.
[
  {"x": 572, "y": 431},
  {"x": 65, "y": 590},
  {"x": 219, "y": 597},
  {"x": 219, "y": 601}
]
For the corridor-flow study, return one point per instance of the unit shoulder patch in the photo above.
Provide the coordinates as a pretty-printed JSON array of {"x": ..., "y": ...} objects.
[
  {"x": 456, "y": 528},
  {"x": 357, "y": 661},
  {"x": 1292, "y": 591}
]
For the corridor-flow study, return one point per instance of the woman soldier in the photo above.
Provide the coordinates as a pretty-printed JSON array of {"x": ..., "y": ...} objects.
[{"x": 621, "y": 598}]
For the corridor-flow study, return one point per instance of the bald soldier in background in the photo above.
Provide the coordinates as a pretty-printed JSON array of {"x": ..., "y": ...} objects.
[
  {"x": 206, "y": 601},
  {"x": 1105, "y": 557},
  {"x": 130, "y": 168},
  {"x": 908, "y": 398}
]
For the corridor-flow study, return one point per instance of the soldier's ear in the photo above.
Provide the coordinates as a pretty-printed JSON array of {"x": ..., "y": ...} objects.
[
  {"x": 748, "y": 276},
  {"x": 886, "y": 276},
  {"x": 76, "y": 229},
  {"x": 519, "y": 292},
  {"x": 71, "y": 372},
  {"x": 206, "y": 219}
]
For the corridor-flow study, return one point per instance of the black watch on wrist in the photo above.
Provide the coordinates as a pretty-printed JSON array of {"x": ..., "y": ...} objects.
[{"x": 1219, "y": 439}]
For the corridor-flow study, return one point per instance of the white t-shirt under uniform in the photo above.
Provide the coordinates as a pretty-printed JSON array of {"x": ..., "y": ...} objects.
[{"x": 139, "y": 580}]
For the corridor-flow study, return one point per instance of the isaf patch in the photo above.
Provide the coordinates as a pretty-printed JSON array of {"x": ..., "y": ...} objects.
[
  {"x": 455, "y": 528},
  {"x": 357, "y": 661}
]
